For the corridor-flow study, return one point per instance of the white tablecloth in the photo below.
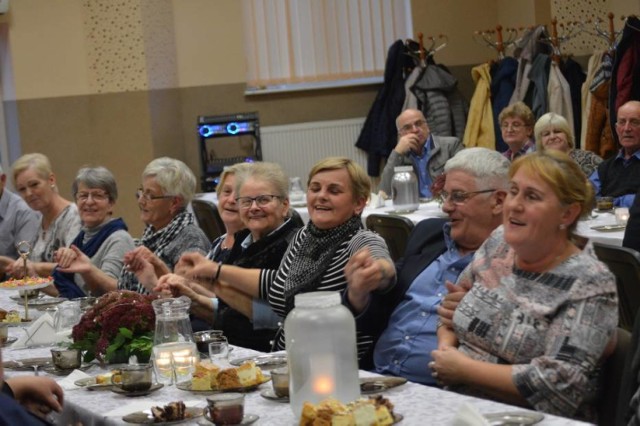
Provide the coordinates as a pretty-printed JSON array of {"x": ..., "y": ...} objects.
[{"x": 420, "y": 405}]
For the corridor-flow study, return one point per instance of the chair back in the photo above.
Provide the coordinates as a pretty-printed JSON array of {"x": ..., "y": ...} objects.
[
  {"x": 624, "y": 263},
  {"x": 295, "y": 216},
  {"x": 611, "y": 376},
  {"x": 394, "y": 229},
  {"x": 208, "y": 218}
]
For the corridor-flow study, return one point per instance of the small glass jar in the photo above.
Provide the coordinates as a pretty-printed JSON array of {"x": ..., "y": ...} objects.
[
  {"x": 404, "y": 190},
  {"x": 320, "y": 335}
]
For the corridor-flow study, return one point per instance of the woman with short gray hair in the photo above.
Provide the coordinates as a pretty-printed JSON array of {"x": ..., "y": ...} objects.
[
  {"x": 168, "y": 185},
  {"x": 92, "y": 264}
]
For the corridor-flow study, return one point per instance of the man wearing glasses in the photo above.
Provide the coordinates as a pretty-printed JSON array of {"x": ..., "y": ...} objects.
[
  {"x": 417, "y": 147},
  {"x": 437, "y": 252},
  {"x": 619, "y": 176}
]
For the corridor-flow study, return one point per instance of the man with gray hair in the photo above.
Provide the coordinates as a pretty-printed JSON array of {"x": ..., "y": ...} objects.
[
  {"x": 437, "y": 252},
  {"x": 17, "y": 223}
]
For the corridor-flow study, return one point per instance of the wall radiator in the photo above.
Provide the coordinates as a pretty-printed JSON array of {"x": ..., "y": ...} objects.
[{"x": 297, "y": 147}]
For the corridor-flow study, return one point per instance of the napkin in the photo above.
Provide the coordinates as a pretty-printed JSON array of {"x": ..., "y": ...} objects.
[
  {"x": 468, "y": 415},
  {"x": 146, "y": 405},
  {"x": 68, "y": 382},
  {"x": 40, "y": 333}
]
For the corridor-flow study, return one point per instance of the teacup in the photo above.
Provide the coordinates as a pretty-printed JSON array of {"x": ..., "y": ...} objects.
[
  {"x": 280, "y": 381},
  {"x": 133, "y": 377},
  {"x": 203, "y": 338},
  {"x": 226, "y": 408},
  {"x": 66, "y": 359}
]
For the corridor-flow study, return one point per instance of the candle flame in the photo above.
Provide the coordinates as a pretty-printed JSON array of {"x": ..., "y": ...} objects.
[{"x": 323, "y": 385}]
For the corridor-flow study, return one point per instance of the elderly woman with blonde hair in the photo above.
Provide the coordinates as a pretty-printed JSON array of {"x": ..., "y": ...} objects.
[
  {"x": 35, "y": 182},
  {"x": 552, "y": 131},
  {"x": 539, "y": 312}
]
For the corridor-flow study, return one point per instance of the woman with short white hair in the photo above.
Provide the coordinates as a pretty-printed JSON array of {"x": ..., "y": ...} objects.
[{"x": 168, "y": 185}]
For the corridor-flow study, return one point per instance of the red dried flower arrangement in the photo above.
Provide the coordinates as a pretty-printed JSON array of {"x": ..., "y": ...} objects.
[{"x": 120, "y": 324}]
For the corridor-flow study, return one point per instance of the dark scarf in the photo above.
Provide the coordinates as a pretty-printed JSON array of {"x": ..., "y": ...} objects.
[
  {"x": 155, "y": 241},
  {"x": 314, "y": 257},
  {"x": 65, "y": 282}
]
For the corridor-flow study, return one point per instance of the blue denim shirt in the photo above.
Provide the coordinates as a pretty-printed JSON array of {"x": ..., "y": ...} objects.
[
  {"x": 420, "y": 164},
  {"x": 404, "y": 348}
]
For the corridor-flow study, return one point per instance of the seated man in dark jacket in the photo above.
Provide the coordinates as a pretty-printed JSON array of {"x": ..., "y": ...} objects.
[{"x": 437, "y": 252}]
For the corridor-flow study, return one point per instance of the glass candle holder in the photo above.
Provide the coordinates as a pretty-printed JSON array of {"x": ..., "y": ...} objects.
[{"x": 622, "y": 215}]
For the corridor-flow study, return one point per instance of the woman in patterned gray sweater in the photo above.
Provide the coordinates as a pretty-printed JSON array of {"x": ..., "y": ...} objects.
[{"x": 540, "y": 312}]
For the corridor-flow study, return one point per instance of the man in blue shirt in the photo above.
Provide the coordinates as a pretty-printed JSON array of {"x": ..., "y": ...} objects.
[
  {"x": 437, "y": 252},
  {"x": 418, "y": 148},
  {"x": 619, "y": 176}
]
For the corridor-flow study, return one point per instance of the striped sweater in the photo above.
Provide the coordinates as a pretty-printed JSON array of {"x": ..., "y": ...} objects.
[{"x": 272, "y": 281}]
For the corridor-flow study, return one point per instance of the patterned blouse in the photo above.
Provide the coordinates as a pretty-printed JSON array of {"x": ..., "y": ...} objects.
[
  {"x": 587, "y": 160},
  {"x": 272, "y": 281},
  {"x": 551, "y": 327}
]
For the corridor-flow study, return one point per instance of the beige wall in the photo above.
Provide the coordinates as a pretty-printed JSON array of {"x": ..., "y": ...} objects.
[{"x": 120, "y": 82}]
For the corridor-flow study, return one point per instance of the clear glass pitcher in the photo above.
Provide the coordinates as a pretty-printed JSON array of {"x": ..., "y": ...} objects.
[
  {"x": 66, "y": 316},
  {"x": 174, "y": 351},
  {"x": 172, "y": 320}
]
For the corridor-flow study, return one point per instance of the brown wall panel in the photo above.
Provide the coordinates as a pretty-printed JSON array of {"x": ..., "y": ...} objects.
[{"x": 112, "y": 130}]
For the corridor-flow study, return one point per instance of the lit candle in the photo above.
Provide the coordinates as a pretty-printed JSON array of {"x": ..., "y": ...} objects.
[
  {"x": 622, "y": 215},
  {"x": 323, "y": 385}
]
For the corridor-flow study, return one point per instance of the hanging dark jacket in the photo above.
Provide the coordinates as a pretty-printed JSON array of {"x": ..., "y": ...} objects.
[
  {"x": 575, "y": 76},
  {"x": 441, "y": 102},
  {"x": 379, "y": 134},
  {"x": 625, "y": 84},
  {"x": 503, "y": 83}
]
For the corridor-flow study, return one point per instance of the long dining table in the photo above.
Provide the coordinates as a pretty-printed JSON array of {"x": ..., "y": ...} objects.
[{"x": 418, "y": 404}]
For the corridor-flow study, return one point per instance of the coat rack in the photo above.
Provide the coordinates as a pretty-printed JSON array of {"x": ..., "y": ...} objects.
[{"x": 498, "y": 39}]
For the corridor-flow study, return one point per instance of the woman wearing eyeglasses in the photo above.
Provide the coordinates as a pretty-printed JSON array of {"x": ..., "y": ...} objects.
[
  {"x": 167, "y": 188},
  {"x": 92, "y": 264},
  {"x": 516, "y": 124},
  {"x": 539, "y": 313},
  {"x": 36, "y": 184},
  {"x": 263, "y": 205},
  {"x": 553, "y": 132},
  {"x": 333, "y": 252}
]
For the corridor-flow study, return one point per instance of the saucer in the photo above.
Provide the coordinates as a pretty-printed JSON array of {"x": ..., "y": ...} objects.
[
  {"x": 270, "y": 394},
  {"x": 246, "y": 420},
  {"x": 121, "y": 391},
  {"x": 52, "y": 369}
]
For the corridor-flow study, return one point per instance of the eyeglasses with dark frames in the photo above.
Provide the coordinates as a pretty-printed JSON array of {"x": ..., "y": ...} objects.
[
  {"x": 461, "y": 197},
  {"x": 261, "y": 200}
]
